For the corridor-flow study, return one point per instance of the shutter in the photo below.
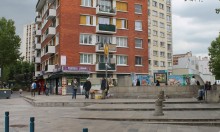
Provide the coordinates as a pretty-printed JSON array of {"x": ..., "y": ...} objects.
[
  {"x": 82, "y": 19},
  {"x": 118, "y": 23}
]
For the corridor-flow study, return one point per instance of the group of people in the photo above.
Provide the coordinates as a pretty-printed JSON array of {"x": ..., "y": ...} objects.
[
  {"x": 37, "y": 86},
  {"x": 87, "y": 86}
]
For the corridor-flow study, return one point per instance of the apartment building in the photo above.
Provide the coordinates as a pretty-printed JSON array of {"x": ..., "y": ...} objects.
[
  {"x": 27, "y": 47},
  {"x": 160, "y": 36},
  {"x": 75, "y": 33}
]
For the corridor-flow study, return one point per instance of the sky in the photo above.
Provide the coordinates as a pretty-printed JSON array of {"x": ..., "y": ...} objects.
[{"x": 195, "y": 24}]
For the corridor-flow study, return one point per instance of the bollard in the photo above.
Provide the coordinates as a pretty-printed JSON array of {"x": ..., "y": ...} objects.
[
  {"x": 158, "y": 108},
  {"x": 6, "y": 121},
  {"x": 31, "y": 124},
  {"x": 161, "y": 95},
  {"x": 85, "y": 129}
]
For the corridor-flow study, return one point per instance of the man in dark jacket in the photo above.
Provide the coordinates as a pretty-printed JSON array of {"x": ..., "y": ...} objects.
[
  {"x": 87, "y": 86},
  {"x": 103, "y": 87}
]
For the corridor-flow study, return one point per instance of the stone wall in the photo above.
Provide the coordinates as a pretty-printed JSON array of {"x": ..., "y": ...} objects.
[{"x": 153, "y": 91}]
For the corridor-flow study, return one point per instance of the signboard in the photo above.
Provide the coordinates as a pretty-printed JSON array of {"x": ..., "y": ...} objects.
[
  {"x": 63, "y": 60},
  {"x": 76, "y": 68},
  {"x": 161, "y": 77}
]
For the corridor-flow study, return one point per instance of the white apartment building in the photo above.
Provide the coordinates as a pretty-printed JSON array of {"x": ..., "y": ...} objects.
[
  {"x": 160, "y": 36},
  {"x": 28, "y": 40}
]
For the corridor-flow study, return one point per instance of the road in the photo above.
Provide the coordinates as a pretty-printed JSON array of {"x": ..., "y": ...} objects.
[{"x": 64, "y": 119}]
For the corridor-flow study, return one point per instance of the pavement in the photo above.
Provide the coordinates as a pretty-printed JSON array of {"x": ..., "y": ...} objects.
[{"x": 134, "y": 115}]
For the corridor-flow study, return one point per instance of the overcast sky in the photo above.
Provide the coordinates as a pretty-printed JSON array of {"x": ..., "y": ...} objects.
[{"x": 195, "y": 24}]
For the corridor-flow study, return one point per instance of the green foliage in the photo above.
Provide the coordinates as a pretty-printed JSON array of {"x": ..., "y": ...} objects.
[
  {"x": 9, "y": 43},
  {"x": 214, "y": 53}
]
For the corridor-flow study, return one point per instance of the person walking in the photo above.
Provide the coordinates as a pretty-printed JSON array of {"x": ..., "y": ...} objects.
[
  {"x": 33, "y": 87},
  {"x": 193, "y": 81},
  {"x": 39, "y": 87},
  {"x": 74, "y": 88},
  {"x": 103, "y": 87},
  {"x": 157, "y": 83},
  {"x": 138, "y": 83},
  {"x": 46, "y": 87},
  {"x": 87, "y": 86}
]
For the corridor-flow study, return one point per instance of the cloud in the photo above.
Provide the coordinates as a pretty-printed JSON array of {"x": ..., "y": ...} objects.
[
  {"x": 21, "y": 11},
  {"x": 195, "y": 25}
]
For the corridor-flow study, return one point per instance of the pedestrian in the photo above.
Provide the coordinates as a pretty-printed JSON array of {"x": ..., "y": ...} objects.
[
  {"x": 107, "y": 89},
  {"x": 193, "y": 81},
  {"x": 103, "y": 87},
  {"x": 138, "y": 83},
  {"x": 46, "y": 87},
  {"x": 39, "y": 87},
  {"x": 197, "y": 83},
  {"x": 87, "y": 86},
  {"x": 75, "y": 86},
  {"x": 33, "y": 87},
  {"x": 206, "y": 87},
  {"x": 157, "y": 83},
  {"x": 20, "y": 91}
]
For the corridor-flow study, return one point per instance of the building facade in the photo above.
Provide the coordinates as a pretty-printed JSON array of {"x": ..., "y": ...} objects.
[
  {"x": 83, "y": 38},
  {"x": 160, "y": 36},
  {"x": 27, "y": 46}
]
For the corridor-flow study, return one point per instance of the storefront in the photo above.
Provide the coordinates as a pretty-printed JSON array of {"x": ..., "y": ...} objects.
[{"x": 61, "y": 79}]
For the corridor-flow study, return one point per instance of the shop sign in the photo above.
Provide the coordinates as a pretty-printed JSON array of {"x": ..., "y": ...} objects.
[{"x": 76, "y": 68}]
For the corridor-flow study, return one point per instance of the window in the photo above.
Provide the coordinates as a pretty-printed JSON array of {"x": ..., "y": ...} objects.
[
  {"x": 121, "y": 6},
  {"x": 162, "y": 35},
  {"x": 154, "y": 32},
  {"x": 85, "y": 58},
  {"x": 122, "y": 41},
  {"x": 122, "y": 60},
  {"x": 168, "y": 9},
  {"x": 105, "y": 5},
  {"x": 161, "y": 6},
  {"x": 149, "y": 41},
  {"x": 162, "y": 25},
  {"x": 162, "y": 54},
  {"x": 162, "y": 64},
  {"x": 87, "y": 3},
  {"x": 169, "y": 28},
  {"x": 104, "y": 20},
  {"x": 169, "y": 47},
  {"x": 169, "y": 56},
  {"x": 162, "y": 44},
  {"x": 149, "y": 32},
  {"x": 149, "y": 22},
  {"x": 155, "y": 23},
  {"x": 138, "y": 60},
  {"x": 161, "y": 15},
  {"x": 104, "y": 39},
  {"x": 85, "y": 39},
  {"x": 155, "y": 63},
  {"x": 86, "y": 20},
  {"x": 138, "y": 25},
  {"x": 138, "y": 9},
  {"x": 155, "y": 43},
  {"x": 148, "y": 12},
  {"x": 121, "y": 24},
  {"x": 155, "y": 53},
  {"x": 154, "y": 3},
  {"x": 169, "y": 64},
  {"x": 138, "y": 43},
  {"x": 154, "y": 13},
  {"x": 57, "y": 38}
]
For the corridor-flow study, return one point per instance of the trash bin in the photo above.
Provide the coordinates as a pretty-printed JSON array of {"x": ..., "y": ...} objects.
[
  {"x": 5, "y": 93},
  {"x": 92, "y": 95}
]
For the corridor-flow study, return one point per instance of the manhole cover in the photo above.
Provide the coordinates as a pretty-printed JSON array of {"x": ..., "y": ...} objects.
[{"x": 19, "y": 125}]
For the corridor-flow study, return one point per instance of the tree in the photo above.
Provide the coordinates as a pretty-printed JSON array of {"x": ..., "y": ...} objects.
[
  {"x": 9, "y": 43},
  {"x": 214, "y": 53}
]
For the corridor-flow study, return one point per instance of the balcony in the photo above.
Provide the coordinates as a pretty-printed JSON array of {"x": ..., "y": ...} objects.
[
  {"x": 107, "y": 12},
  {"x": 37, "y": 60},
  {"x": 106, "y": 28},
  {"x": 51, "y": 13},
  {"x": 50, "y": 50},
  {"x": 38, "y": 33},
  {"x": 50, "y": 32},
  {"x": 37, "y": 46},
  {"x": 38, "y": 20},
  {"x": 100, "y": 47},
  {"x": 101, "y": 67},
  {"x": 49, "y": 68}
]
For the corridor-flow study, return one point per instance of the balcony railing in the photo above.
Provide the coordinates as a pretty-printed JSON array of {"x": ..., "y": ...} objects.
[
  {"x": 38, "y": 19},
  {"x": 50, "y": 32},
  {"x": 51, "y": 14},
  {"x": 37, "y": 46},
  {"x": 109, "y": 12},
  {"x": 101, "y": 67},
  {"x": 100, "y": 47},
  {"x": 37, "y": 60},
  {"x": 50, "y": 50},
  {"x": 49, "y": 68},
  {"x": 38, "y": 32},
  {"x": 106, "y": 28}
]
